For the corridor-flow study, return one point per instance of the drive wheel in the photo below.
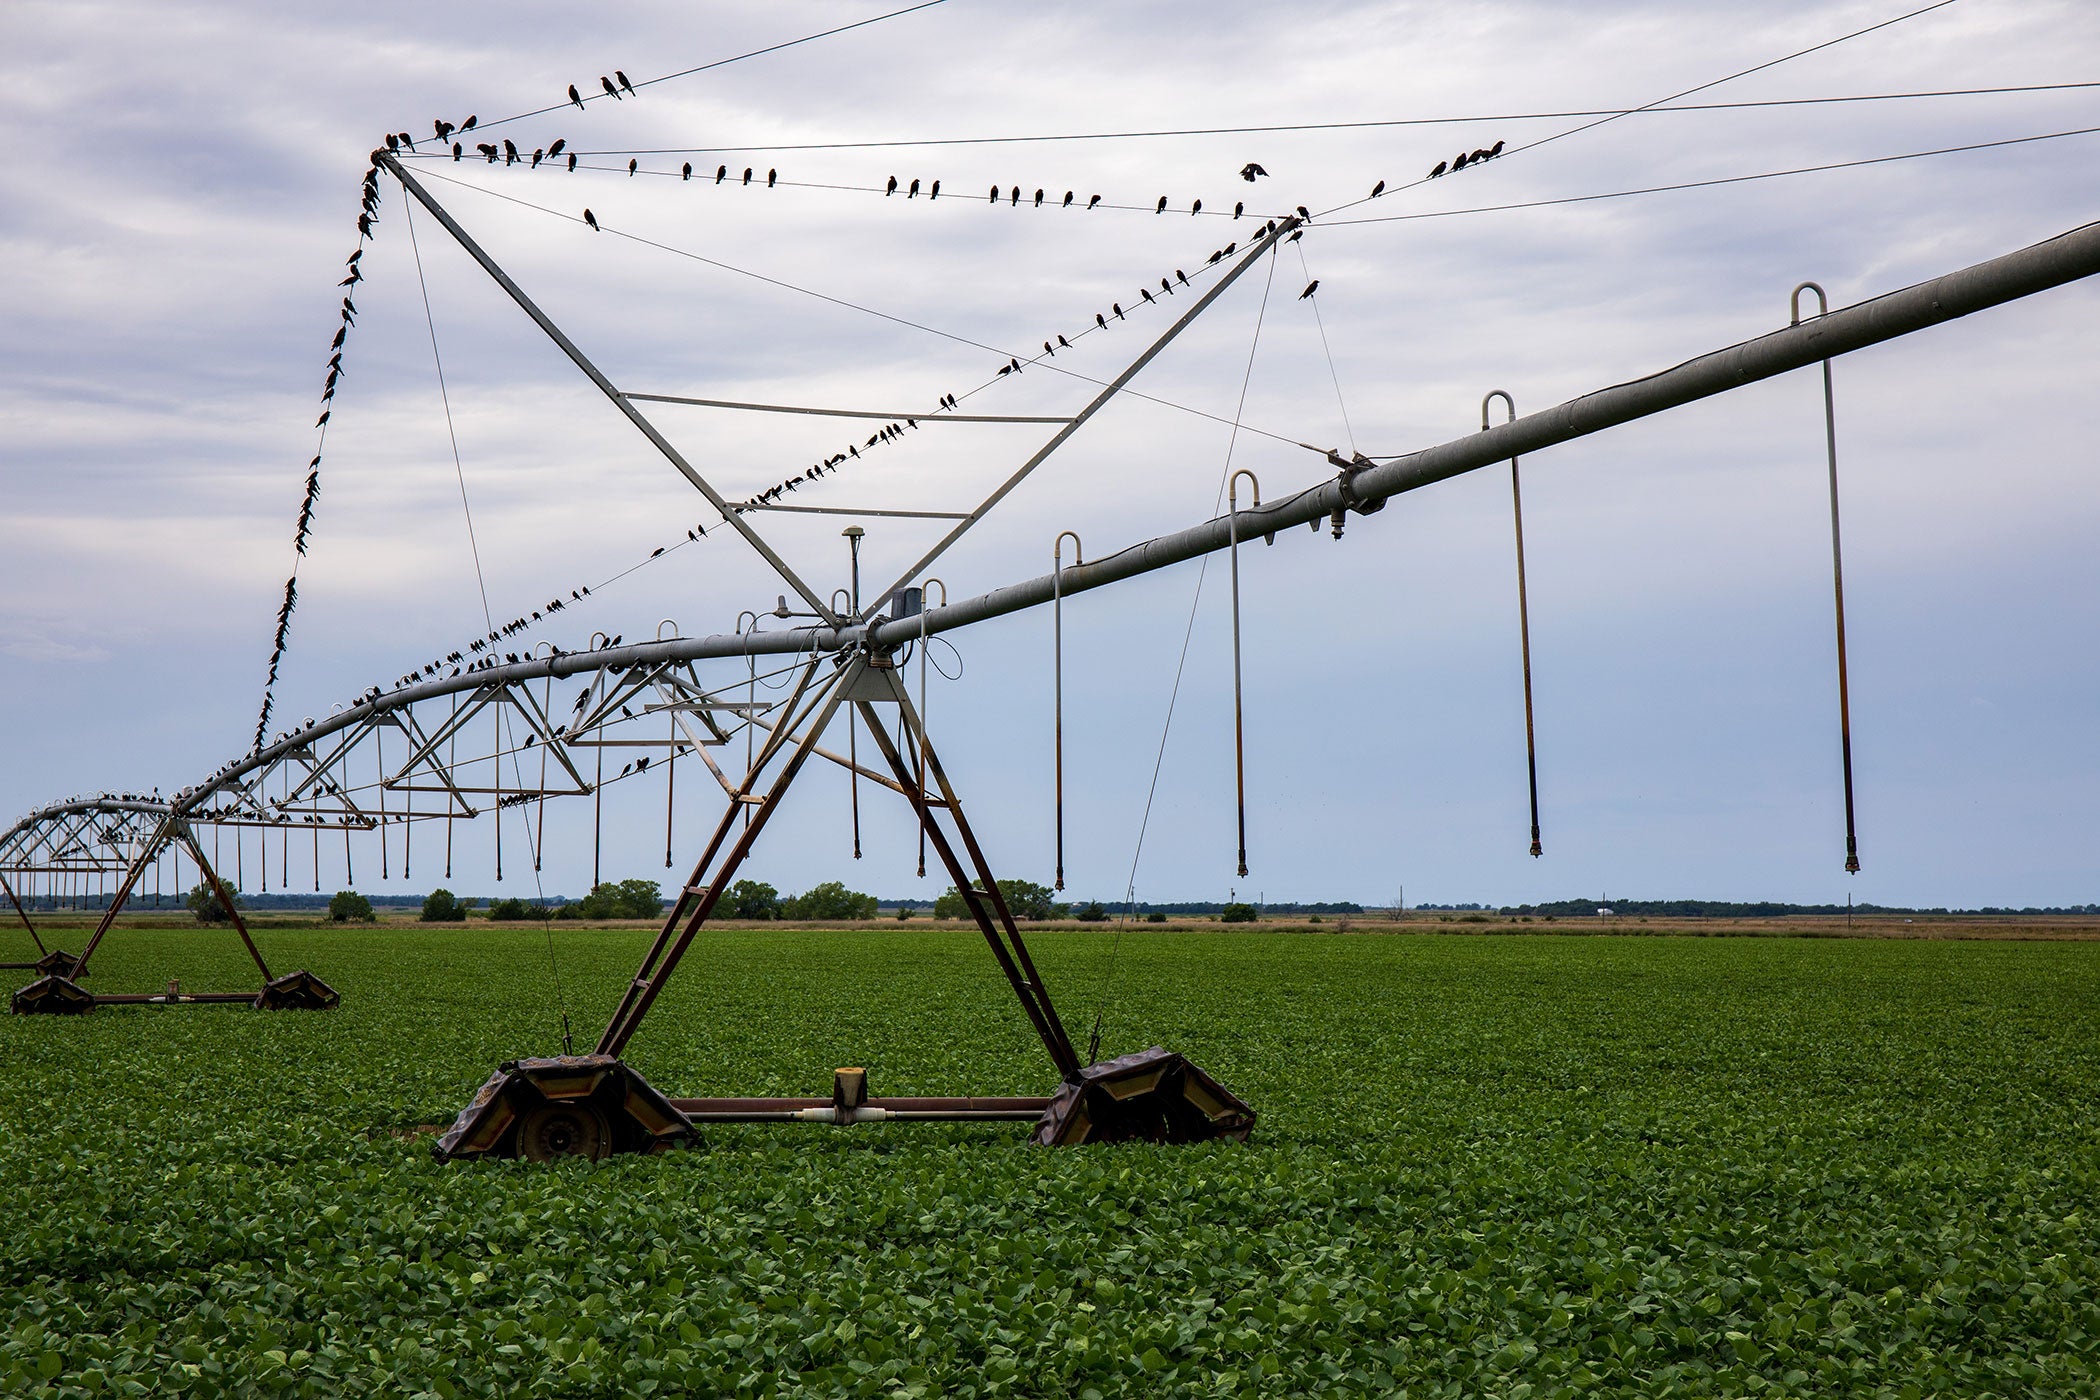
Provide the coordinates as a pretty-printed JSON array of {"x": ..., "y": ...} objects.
[{"x": 564, "y": 1130}]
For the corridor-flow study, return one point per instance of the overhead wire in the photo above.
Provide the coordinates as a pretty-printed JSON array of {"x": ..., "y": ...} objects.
[
  {"x": 1675, "y": 96},
  {"x": 1708, "y": 184},
  {"x": 1656, "y": 108},
  {"x": 717, "y": 63}
]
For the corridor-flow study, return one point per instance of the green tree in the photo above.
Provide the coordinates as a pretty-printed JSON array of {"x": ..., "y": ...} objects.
[
  {"x": 752, "y": 899},
  {"x": 350, "y": 907},
  {"x": 903, "y": 912},
  {"x": 629, "y": 899},
  {"x": 512, "y": 911},
  {"x": 441, "y": 907},
  {"x": 830, "y": 900},
  {"x": 1237, "y": 914},
  {"x": 209, "y": 908},
  {"x": 1025, "y": 898},
  {"x": 1091, "y": 912},
  {"x": 1159, "y": 916}
]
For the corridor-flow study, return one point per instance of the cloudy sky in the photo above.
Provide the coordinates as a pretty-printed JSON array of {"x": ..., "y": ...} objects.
[{"x": 182, "y": 191}]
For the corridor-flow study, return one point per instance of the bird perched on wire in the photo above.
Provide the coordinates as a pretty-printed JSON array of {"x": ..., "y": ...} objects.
[
  {"x": 892, "y": 187},
  {"x": 510, "y": 152},
  {"x": 590, "y": 218},
  {"x": 560, "y": 143},
  {"x": 1094, "y": 201},
  {"x": 575, "y": 97},
  {"x": 686, "y": 171},
  {"x": 623, "y": 81},
  {"x": 935, "y": 191},
  {"x": 632, "y": 163},
  {"x": 1066, "y": 343},
  {"x": 1068, "y": 200},
  {"x": 1162, "y": 205},
  {"x": 747, "y": 174},
  {"x": 1310, "y": 288},
  {"x": 610, "y": 90},
  {"x": 913, "y": 192},
  {"x": 1196, "y": 208},
  {"x": 1250, "y": 172},
  {"x": 1304, "y": 214},
  {"x": 1378, "y": 189},
  {"x": 1038, "y": 199},
  {"x": 1016, "y": 195},
  {"x": 1238, "y": 209},
  {"x": 1100, "y": 321},
  {"x": 721, "y": 173},
  {"x": 1441, "y": 167},
  {"x": 771, "y": 177},
  {"x": 572, "y": 160},
  {"x": 995, "y": 194}
]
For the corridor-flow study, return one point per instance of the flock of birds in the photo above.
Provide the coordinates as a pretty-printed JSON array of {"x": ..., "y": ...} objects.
[{"x": 1455, "y": 164}]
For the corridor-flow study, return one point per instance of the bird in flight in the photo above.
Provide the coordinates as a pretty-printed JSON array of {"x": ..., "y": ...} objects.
[{"x": 1250, "y": 172}]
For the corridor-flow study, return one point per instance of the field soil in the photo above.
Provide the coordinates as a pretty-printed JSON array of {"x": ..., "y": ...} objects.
[{"x": 1488, "y": 1163}]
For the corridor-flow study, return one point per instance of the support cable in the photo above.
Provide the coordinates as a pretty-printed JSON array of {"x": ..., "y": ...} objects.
[
  {"x": 488, "y": 619},
  {"x": 1093, "y": 1048}
]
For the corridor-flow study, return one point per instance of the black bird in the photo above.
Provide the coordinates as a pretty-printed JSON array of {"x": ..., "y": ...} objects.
[
  {"x": 1166, "y": 286},
  {"x": 935, "y": 192},
  {"x": 1006, "y": 369},
  {"x": 443, "y": 129},
  {"x": 1017, "y": 366},
  {"x": 1310, "y": 288},
  {"x": 486, "y": 149},
  {"x": 1296, "y": 234},
  {"x": 1162, "y": 205},
  {"x": 1250, "y": 170},
  {"x": 457, "y": 151},
  {"x": 1480, "y": 155},
  {"x": 1212, "y": 260},
  {"x": 632, "y": 162},
  {"x": 590, "y": 218},
  {"x": 1238, "y": 209},
  {"x": 1181, "y": 277},
  {"x": 575, "y": 97},
  {"x": 468, "y": 124},
  {"x": 747, "y": 174},
  {"x": 892, "y": 187},
  {"x": 510, "y": 152},
  {"x": 721, "y": 173},
  {"x": 913, "y": 192},
  {"x": 1304, "y": 214},
  {"x": 1441, "y": 167},
  {"x": 1146, "y": 293},
  {"x": 1068, "y": 200},
  {"x": 1458, "y": 162},
  {"x": 1038, "y": 199},
  {"x": 572, "y": 160},
  {"x": 1066, "y": 343},
  {"x": 393, "y": 142},
  {"x": 560, "y": 143},
  {"x": 1017, "y": 195},
  {"x": 623, "y": 81},
  {"x": 686, "y": 171},
  {"x": 771, "y": 176},
  {"x": 995, "y": 194},
  {"x": 1100, "y": 320},
  {"x": 1047, "y": 350},
  {"x": 610, "y": 90},
  {"x": 1094, "y": 201},
  {"x": 1378, "y": 189},
  {"x": 656, "y": 551},
  {"x": 1494, "y": 150},
  {"x": 537, "y": 157},
  {"x": 1117, "y": 307},
  {"x": 1196, "y": 208}
]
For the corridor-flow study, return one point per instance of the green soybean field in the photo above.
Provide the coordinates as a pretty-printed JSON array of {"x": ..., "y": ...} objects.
[{"x": 1485, "y": 1165}]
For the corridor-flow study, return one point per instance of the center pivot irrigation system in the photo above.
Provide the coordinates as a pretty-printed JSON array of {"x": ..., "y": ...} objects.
[{"x": 487, "y": 739}]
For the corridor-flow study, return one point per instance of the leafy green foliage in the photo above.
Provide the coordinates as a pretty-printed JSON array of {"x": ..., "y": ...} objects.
[
  {"x": 205, "y": 904},
  {"x": 830, "y": 900},
  {"x": 629, "y": 899},
  {"x": 751, "y": 899},
  {"x": 441, "y": 906},
  {"x": 1486, "y": 1165},
  {"x": 1237, "y": 914},
  {"x": 350, "y": 907},
  {"x": 1025, "y": 898},
  {"x": 1093, "y": 912},
  {"x": 514, "y": 910}
]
